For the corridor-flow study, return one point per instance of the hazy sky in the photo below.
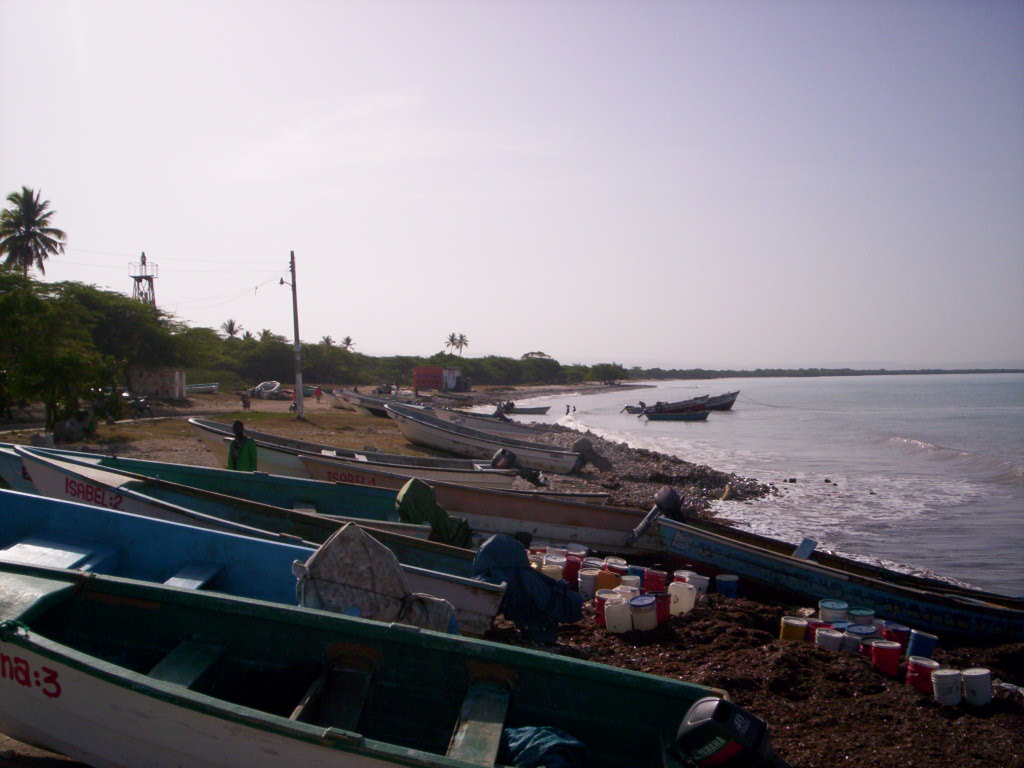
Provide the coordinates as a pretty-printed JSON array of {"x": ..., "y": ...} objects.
[{"x": 650, "y": 182}]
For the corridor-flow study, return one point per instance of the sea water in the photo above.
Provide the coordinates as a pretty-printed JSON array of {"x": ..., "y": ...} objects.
[{"x": 922, "y": 473}]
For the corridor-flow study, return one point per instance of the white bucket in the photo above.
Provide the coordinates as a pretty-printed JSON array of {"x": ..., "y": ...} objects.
[
  {"x": 617, "y": 616},
  {"x": 644, "y": 613},
  {"x": 631, "y": 580},
  {"x": 977, "y": 686},
  {"x": 700, "y": 582},
  {"x": 946, "y": 686},
  {"x": 683, "y": 597},
  {"x": 832, "y": 610},
  {"x": 627, "y": 593},
  {"x": 829, "y": 639},
  {"x": 587, "y": 579}
]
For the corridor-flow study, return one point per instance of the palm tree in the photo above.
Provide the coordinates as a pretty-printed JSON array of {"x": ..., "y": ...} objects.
[
  {"x": 452, "y": 342},
  {"x": 347, "y": 343},
  {"x": 461, "y": 342},
  {"x": 231, "y": 328},
  {"x": 327, "y": 341},
  {"x": 25, "y": 232}
]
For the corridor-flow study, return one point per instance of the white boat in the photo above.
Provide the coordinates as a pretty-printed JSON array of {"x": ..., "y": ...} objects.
[
  {"x": 423, "y": 428},
  {"x": 202, "y": 389}
]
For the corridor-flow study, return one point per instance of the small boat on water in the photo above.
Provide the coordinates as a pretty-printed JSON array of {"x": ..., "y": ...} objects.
[
  {"x": 537, "y": 410},
  {"x": 677, "y": 415},
  {"x": 430, "y": 567},
  {"x": 805, "y": 572},
  {"x": 122, "y": 673},
  {"x": 424, "y": 429},
  {"x": 280, "y": 456},
  {"x": 723, "y": 402},
  {"x": 42, "y": 531}
]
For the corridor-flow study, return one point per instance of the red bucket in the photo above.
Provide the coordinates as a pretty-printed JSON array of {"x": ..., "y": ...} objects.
[
  {"x": 600, "y": 597},
  {"x": 919, "y": 673},
  {"x": 662, "y": 604},
  {"x": 655, "y": 581},
  {"x": 571, "y": 568},
  {"x": 813, "y": 625}
]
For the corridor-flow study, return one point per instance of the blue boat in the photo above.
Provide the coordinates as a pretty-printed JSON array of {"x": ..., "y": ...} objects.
[
  {"x": 46, "y": 532},
  {"x": 922, "y": 603}
]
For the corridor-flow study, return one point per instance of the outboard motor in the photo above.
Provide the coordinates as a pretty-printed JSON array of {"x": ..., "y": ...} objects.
[
  {"x": 716, "y": 732},
  {"x": 503, "y": 459},
  {"x": 667, "y": 500}
]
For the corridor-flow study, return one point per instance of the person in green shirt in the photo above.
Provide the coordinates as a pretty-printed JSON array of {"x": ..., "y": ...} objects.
[{"x": 242, "y": 451}]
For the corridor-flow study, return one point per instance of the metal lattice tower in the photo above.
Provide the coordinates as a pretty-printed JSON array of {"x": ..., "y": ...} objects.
[{"x": 144, "y": 274}]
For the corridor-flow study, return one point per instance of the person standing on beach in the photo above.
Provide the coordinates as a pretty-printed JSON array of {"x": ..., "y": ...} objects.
[
  {"x": 242, "y": 451},
  {"x": 318, "y": 393}
]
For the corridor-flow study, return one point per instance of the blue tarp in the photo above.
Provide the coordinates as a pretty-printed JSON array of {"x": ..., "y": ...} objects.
[
  {"x": 532, "y": 747},
  {"x": 535, "y": 603}
]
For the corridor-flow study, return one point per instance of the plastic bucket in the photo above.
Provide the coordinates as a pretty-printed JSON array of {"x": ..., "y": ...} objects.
[
  {"x": 832, "y": 610},
  {"x": 600, "y": 598},
  {"x": 606, "y": 580},
  {"x": 885, "y": 654},
  {"x": 617, "y": 615},
  {"x": 683, "y": 597},
  {"x": 593, "y": 562},
  {"x": 861, "y": 615},
  {"x": 644, "y": 610},
  {"x": 897, "y": 633},
  {"x": 663, "y": 603},
  {"x": 727, "y": 585},
  {"x": 700, "y": 582},
  {"x": 572, "y": 568},
  {"x": 627, "y": 593},
  {"x": 576, "y": 550},
  {"x": 587, "y": 579},
  {"x": 946, "y": 686},
  {"x": 866, "y": 644},
  {"x": 919, "y": 673},
  {"x": 829, "y": 639},
  {"x": 682, "y": 575},
  {"x": 655, "y": 581},
  {"x": 631, "y": 580},
  {"x": 792, "y": 628},
  {"x": 813, "y": 625},
  {"x": 553, "y": 571},
  {"x": 921, "y": 643},
  {"x": 977, "y": 686},
  {"x": 616, "y": 565}
]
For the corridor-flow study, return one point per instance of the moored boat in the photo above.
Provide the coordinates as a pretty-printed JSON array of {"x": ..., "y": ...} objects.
[
  {"x": 424, "y": 429},
  {"x": 121, "y": 673},
  {"x": 722, "y": 402},
  {"x": 692, "y": 415}
]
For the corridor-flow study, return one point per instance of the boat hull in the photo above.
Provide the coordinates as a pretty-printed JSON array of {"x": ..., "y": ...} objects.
[
  {"x": 678, "y": 416},
  {"x": 919, "y": 603}
]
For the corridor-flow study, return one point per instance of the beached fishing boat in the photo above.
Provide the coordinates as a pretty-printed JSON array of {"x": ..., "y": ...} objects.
[
  {"x": 922, "y": 603},
  {"x": 431, "y": 568},
  {"x": 121, "y": 673},
  {"x": 280, "y": 456},
  {"x": 371, "y": 405},
  {"x": 677, "y": 415},
  {"x": 44, "y": 531},
  {"x": 424, "y": 429},
  {"x": 202, "y": 389},
  {"x": 537, "y": 410}
]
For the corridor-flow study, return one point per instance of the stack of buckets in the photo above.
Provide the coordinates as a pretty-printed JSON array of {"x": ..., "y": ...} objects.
[{"x": 856, "y": 630}]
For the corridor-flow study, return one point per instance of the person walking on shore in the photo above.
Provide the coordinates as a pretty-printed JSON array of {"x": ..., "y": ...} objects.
[
  {"x": 242, "y": 451},
  {"x": 318, "y": 393}
]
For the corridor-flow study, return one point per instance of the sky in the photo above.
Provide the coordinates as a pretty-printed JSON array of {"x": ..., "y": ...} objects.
[{"x": 658, "y": 183}]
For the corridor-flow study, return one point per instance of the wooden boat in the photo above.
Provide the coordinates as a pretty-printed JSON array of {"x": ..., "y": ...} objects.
[
  {"x": 485, "y": 422},
  {"x": 549, "y": 518},
  {"x": 202, "y": 389},
  {"x": 371, "y": 405},
  {"x": 922, "y": 603},
  {"x": 528, "y": 409},
  {"x": 722, "y": 402},
  {"x": 431, "y": 568},
  {"x": 423, "y": 429},
  {"x": 43, "y": 531},
  {"x": 680, "y": 406},
  {"x": 280, "y": 456},
  {"x": 677, "y": 415},
  {"x": 121, "y": 673}
]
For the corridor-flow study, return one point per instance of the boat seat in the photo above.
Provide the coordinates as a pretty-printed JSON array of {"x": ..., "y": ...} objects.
[
  {"x": 57, "y": 553},
  {"x": 335, "y": 699},
  {"x": 187, "y": 662},
  {"x": 194, "y": 575},
  {"x": 477, "y": 735}
]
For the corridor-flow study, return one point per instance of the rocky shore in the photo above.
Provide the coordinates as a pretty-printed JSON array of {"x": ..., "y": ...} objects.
[{"x": 824, "y": 708}]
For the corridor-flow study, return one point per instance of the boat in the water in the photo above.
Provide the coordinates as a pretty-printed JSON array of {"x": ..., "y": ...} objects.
[
  {"x": 122, "y": 673},
  {"x": 536, "y": 410},
  {"x": 62, "y": 534},
  {"x": 677, "y": 415},
  {"x": 431, "y": 567},
  {"x": 422, "y": 428},
  {"x": 281, "y": 456},
  {"x": 722, "y": 402},
  {"x": 811, "y": 574}
]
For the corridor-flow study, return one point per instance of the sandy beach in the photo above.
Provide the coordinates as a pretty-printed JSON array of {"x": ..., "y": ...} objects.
[{"x": 824, "y": 708}]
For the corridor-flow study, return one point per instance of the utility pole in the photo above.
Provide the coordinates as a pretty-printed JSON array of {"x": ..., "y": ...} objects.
[{"x": 298, "y": 344}]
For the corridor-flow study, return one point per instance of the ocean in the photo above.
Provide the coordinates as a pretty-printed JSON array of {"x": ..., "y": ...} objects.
[{"x": 921, "y": 473}]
